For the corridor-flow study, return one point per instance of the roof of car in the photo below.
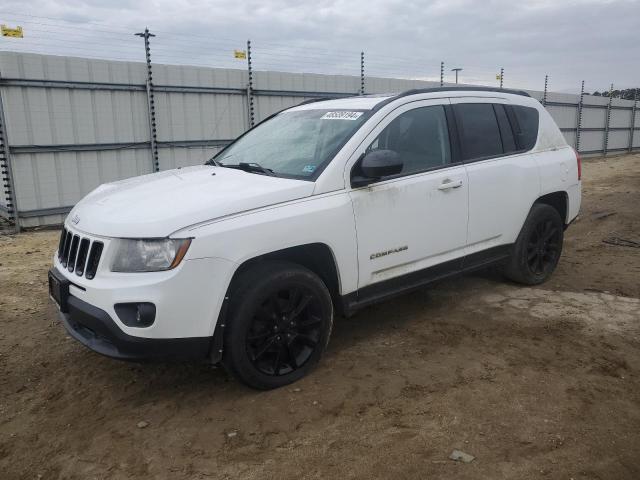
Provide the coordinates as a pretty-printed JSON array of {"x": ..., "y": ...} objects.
[
  {"x": 377, "y": 101},
  {"x": 360, "y": 102}
]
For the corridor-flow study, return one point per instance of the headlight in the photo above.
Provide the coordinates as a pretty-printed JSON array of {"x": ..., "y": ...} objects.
[{"x": 149, "y": 255}]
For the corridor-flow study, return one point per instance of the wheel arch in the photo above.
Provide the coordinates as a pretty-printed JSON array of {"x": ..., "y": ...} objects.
[
  {"x": 559, "y": 201},
  {"x": 317, "y": 257}
]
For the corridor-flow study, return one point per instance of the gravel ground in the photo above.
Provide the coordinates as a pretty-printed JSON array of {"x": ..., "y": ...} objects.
[{"x": 534, "y": 382}]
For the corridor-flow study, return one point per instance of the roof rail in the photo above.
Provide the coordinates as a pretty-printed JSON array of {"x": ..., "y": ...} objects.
[
  {"x": 313, "y": 100},
  {"x": 416, "y": 91}
]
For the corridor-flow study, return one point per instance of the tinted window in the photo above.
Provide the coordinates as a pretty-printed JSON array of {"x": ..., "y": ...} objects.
[
  {"x": 419, "y": 136},
  {"x": 479, "y": 132},
  {"x": 526, "y": 128},
  {"x": 508, "y": 142}
]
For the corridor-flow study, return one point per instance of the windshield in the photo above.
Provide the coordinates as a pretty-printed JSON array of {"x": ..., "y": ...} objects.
[{"x": 294, "y": 143}]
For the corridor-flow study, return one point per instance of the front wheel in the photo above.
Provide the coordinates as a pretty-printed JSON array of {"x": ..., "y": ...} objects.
[
  {"x": 538, "y": 247},
  {"x": 280, "y": 320}
]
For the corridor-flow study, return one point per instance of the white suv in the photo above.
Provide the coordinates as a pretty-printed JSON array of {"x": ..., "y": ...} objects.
[{"x": 325, "y": 207}]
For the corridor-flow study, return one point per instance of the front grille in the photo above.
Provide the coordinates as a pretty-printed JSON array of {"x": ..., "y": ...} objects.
[
  {"x": 94, "y": 259},
  {"x": 79, "y": 254},
  {"x": 73, "y": 251},
  {"x": 81, "y": 260},
  {"x": 65, "y": 249},
  {"x": 63, "y": 237}
]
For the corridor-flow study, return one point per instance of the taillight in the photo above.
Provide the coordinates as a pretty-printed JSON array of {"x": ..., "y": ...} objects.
[{"x": 579, "y": 164}]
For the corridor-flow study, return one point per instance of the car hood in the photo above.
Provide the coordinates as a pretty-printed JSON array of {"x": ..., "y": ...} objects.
[{"x": 159, "y": 204}]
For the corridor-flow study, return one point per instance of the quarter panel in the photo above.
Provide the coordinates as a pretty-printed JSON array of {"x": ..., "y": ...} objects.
[{"x": 559, "y": 173}]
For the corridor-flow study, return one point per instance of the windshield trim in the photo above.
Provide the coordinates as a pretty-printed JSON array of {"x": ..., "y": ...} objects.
[{"x": 320, "y": 168}]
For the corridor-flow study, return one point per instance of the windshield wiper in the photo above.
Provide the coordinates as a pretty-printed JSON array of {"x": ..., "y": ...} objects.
[{"x": 251, "y": 168}]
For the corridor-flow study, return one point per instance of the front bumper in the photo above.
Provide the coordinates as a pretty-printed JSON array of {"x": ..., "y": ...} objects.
[
  {"x": 95, "y": 329},
  {"x": 187, "y": 298}
]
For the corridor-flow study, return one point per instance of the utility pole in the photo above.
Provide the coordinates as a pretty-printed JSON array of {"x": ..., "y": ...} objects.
[
  {"x": 442, "y": 74},
  {"x": 457, "y": 69},
  {"x": 151, "y": 108}
]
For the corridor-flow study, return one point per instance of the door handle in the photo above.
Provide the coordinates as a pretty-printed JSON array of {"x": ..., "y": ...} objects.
[{"x": 449, "y": 184}]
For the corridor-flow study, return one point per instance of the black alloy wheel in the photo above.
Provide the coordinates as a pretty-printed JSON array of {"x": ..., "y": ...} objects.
[
  {"x": 285, "y": 330},
  {"x": 543, "y": 247},
  {"x": 278, "y": 324},
  {"x": 538, "y": 247}
]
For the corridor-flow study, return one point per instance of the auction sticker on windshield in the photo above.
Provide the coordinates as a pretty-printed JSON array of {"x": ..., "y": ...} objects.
[{"x": 341, "y": 115}]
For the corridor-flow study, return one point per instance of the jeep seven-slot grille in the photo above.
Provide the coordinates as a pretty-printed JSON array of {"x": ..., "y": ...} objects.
[
  {"x": 81, "y": 259},
  {"x": 79, "y": 254}
]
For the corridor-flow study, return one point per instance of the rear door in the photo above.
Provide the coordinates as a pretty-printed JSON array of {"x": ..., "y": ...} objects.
[
  {"x": 503, "y": 177},
  {"x": 418, "y": 218}
]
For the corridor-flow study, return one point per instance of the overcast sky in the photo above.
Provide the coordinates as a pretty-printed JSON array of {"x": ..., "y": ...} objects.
[{"x": 598, "y": 41}]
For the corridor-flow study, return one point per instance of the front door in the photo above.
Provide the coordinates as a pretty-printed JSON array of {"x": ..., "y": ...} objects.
[{"x": 416, "y": 219}]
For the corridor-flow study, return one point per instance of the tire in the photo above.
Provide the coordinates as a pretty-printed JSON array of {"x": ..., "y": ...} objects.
[
  {"x": 538, "y": 247},
  {"x": 279, "y": 323}
]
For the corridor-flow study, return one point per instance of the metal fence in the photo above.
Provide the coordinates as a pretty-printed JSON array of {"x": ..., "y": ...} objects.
[{"x": 68, "y": 124}]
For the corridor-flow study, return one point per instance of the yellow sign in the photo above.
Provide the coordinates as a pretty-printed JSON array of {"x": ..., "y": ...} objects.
[
  {"x": 498, "y": 77},
  {"x": 11, "y": 32},
  {"x": 240, "y": 54}
]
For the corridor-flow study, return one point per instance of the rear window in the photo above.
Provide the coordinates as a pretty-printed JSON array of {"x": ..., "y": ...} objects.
[
  {"x": 479, "y": 131},
  {"x": 526, "y": 126}
]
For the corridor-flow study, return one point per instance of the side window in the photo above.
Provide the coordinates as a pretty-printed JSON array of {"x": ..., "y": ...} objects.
[
  {"x": 508, "y": 141},
  {"x": 525, "y": 125},
  {"x": 419, "y": 136},
  {"x": 478, "y": 130}
]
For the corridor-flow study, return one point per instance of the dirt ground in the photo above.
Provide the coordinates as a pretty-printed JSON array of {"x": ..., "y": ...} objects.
[{"x": 534, "y": 382}]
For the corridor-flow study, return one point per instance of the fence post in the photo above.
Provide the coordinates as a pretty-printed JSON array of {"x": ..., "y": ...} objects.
[
  {"x": 151, "y": 107},
  {"x": 633, "y": 119},
  {"x": 544, "y": 96},
  {"x": 250, "y": 107},
  {"x": 442, "y": 74},
  {"x": 605, "y": 145},
  {"x": 501, "y": 76},
  {"x": 361, "y": 73},
  {"x": 579, "y": 127},
  {"x": 8, "y": 184}
]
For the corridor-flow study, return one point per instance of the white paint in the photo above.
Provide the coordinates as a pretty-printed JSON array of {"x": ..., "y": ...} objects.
[
  {"x": 234, "y": 216},
  {"x": 158, "y": 204}
]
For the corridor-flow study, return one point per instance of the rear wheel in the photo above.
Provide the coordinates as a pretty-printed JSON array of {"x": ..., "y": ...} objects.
[
  {"x": 538, "y": 247},
  {"x": 280, "y": 320}
]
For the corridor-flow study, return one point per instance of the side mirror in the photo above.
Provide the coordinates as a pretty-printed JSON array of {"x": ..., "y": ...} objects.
[{"x": 375, "y": 165}]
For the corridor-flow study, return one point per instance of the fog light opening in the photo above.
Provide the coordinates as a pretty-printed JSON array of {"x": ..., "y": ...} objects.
[{"x": 138, "y": 315}]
